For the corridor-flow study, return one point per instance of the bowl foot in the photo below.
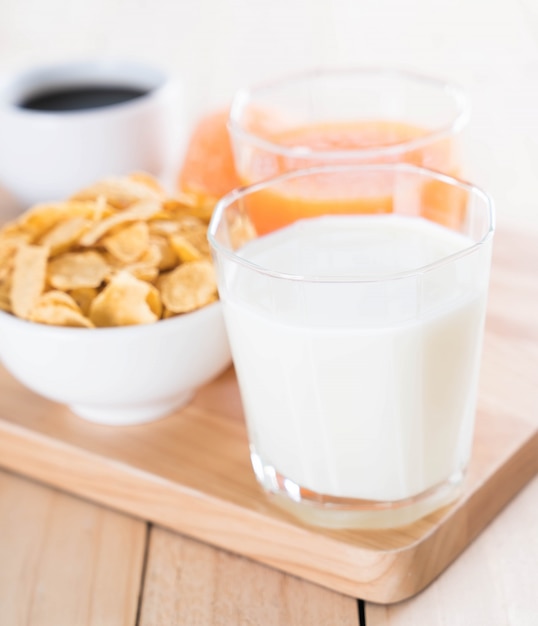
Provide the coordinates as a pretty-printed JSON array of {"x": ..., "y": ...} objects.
[{"x": 128, "y": 415}]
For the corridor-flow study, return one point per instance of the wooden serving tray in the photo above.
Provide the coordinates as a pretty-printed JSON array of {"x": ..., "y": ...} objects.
[{"x": 191, "y": 471}]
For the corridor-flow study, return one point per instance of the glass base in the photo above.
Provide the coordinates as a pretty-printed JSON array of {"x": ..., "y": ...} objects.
[{"x": 334, "y": 512}]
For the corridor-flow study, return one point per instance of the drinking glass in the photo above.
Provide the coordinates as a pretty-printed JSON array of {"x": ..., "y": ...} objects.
[
  {"x": 325, "y": 117},
  {"x": 356, "y": 340}
]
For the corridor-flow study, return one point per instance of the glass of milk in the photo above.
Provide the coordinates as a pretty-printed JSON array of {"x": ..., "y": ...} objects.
[{"x": 357, "y": 338}]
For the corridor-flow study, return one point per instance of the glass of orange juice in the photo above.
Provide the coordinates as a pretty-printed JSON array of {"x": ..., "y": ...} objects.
[{"x": 357, "y": 116}]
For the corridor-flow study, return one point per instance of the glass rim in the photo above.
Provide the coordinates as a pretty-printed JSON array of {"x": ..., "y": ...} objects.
[
  {"x": 240, "y": 192},
  {"x": 452, "y": 90}
]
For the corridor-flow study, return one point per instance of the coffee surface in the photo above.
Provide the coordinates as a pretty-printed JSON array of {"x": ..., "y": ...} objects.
[{"x": 80, "y": 98}]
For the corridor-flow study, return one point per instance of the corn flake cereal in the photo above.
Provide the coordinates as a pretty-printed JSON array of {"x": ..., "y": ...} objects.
[
  {"x": 122, "y": 192},
  {"x": 191, "y": 245},
  {"x": 28, "y": 278},
  {"x": 59, "y": 298},
  {"x": 5, "y": 301},
  {"x": 119, "y": 252},
  {"x": 125, "y": 301},
  {"x": 8, "y": 249},
  {"x": 189, "y": 287},
  {"x": 57, "y": 315},
  {"x": 84, "y": 296},
  {"x": 77, "y": 269},
  {"x": 40, "y": 218},
  {"x": 129, "y": 243},
  {"x": 65, "y": 234},
  {"x": 142, "y": 210},
  {"x": 169, "y": 258},
  {"x": 57, "y": 308}
]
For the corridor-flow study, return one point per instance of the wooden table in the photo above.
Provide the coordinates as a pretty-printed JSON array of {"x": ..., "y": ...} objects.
[{"x": 67, "y": 562}]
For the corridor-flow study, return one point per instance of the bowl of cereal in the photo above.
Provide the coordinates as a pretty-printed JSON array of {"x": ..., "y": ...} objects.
[{"x": 108, "y": 301}]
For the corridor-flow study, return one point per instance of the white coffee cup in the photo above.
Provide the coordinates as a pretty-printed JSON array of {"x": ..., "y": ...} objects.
[{"x": 48, "y": 155}]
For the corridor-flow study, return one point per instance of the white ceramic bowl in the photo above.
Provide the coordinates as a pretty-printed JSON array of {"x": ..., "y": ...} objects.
[{"x": 118, "y": 376}]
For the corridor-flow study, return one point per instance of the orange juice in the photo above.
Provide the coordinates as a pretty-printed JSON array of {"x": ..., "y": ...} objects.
[
  {"x": 208, "y": 166},
  {"x": 372, "y": 141}
]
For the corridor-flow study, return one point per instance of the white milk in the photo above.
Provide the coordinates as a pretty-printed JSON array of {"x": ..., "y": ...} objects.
[{"x": 359, "y": 390}]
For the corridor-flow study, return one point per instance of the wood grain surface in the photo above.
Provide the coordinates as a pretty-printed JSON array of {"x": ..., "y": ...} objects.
[
  {"x": 190, "y": 472},
  {"x": 189, "y": 583},
  {"x": 494, "y": 582},
  {"x": 65, "y": 562}
]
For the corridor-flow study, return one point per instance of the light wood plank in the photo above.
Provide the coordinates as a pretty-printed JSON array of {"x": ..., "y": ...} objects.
[
  {"x": 189, "y": 583},
  {"x": 495, "y": 582},
  {"x": 64, "y": 561}
]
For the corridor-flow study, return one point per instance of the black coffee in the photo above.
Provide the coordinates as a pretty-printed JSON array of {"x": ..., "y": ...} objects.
[{"x": 80, "y": 98}]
